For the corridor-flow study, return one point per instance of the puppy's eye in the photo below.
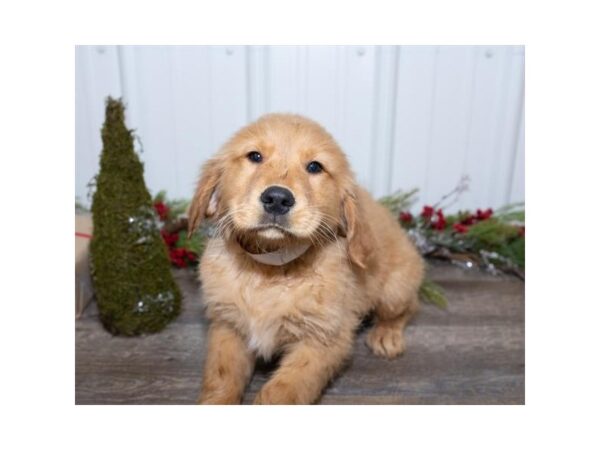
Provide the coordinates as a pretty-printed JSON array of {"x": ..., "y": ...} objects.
[
  {"x": 255, "y": 157},
  {"x": 314, "y": 167}
]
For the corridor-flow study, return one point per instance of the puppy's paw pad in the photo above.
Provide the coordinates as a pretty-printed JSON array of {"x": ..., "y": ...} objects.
[{"x": 386, "y": 342}]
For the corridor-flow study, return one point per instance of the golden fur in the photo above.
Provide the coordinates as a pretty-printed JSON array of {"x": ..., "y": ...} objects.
[{"x": 359, "y": 261}]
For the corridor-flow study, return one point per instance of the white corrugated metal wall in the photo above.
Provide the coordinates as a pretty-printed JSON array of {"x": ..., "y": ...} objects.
[{"x": 407, "y": 116}]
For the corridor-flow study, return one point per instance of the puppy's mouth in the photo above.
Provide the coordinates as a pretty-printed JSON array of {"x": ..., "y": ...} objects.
[
  {"x": 264, "y": 238},
  {"x": 271, "y": 231},
  {"x": 273, "y": 226}
]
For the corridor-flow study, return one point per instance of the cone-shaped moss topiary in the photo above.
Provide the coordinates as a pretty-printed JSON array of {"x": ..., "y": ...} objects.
[{"x": 134, "y": 286}]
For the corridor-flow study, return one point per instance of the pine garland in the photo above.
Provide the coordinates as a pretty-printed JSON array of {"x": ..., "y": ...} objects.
[{"x": 492, "y": 241}]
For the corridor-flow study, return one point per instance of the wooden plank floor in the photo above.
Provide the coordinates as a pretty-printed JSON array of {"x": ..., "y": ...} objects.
[{"x": 471, "y": 353}]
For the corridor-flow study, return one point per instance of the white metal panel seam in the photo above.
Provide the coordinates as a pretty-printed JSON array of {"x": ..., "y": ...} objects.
[
  {"x": 516, "y": 137},
  {"x": 392, "y": 135},
  {"x": 469, "y": 126},
  {"x": 428, "y": 149}
]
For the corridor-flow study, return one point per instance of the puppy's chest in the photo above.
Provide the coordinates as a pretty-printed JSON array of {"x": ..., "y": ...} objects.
[
  {"x": 263, "y": 332},
  {"x": 270, "y": 317}
]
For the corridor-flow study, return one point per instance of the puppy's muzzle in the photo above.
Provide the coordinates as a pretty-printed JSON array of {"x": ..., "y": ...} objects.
[{"x": 277, "y": 200}]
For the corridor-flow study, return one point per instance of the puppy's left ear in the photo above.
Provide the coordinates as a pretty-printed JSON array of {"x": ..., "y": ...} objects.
[
  {"x": 356, "y": 229},
  {"x": 204, "y": 203}
]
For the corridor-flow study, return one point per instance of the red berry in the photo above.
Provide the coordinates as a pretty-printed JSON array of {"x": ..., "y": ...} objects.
[
  {"x": 460, "y": 228},
  {"x": 406, "y": 217},
  {"x": 427, "y": 211}
]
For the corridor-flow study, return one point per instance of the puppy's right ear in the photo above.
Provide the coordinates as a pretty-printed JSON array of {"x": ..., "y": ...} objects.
[
  {"x": 204, "y": 203},
  {"x": 356, "y": 230}
]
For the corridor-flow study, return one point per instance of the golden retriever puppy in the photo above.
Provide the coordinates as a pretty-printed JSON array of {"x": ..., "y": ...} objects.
[{"x": 299, "y": 256}]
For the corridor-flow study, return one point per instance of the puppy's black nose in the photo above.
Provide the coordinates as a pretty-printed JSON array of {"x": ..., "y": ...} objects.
[{"x": 277, "y": 200}]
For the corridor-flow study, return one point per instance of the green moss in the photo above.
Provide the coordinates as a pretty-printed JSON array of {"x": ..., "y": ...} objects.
[{"x": 134, "y": 286}]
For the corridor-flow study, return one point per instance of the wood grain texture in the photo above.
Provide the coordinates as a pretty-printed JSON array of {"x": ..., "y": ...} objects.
[{"x": 471, "y": 353}]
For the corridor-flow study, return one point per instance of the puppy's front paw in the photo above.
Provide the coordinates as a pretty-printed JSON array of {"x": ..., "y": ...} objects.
[
  {"x": 222, "y": 397},
  {"x": 276, "y": 394},
  {"x": 386, "y": 341}
]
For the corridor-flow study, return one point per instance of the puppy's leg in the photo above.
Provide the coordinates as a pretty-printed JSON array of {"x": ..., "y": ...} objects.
[
  {"x": 304, "y": 372},
  {"x": 392, "y": 314},
  {"x": 387, "y": 336},
  {"x": 227, "y": 368}
]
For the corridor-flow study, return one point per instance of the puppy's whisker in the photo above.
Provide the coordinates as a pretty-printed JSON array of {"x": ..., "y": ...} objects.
[
  {"x": 225, "y": 222},
  {"x": 326, "y": 230}
]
